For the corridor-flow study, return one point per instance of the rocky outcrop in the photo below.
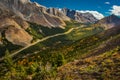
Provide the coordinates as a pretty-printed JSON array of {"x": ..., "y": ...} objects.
[
  {"x": 85, "y": 17},
  {"x": 57, "y": 12},
  {"x": 21, "y": 22}
]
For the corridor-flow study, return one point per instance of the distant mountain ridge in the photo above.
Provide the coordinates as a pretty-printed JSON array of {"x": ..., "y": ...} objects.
[
  {"x": 109, "y": 22},
  {"x": 78, "y": 16}
]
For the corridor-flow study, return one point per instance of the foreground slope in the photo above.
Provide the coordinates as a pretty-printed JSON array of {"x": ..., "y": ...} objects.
[
  {"x": 93, "y": 57},
  {"x": 102, "y": 67},
  {"x": 101, "y": 62}
]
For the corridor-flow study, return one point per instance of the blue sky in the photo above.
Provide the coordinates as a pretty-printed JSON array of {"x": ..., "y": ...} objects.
[{"x": 102, "y": 6}]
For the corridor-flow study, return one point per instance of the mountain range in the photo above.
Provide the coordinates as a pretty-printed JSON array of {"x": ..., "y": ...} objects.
[
  {"x": 34, "y": 12},
  {"x": 18, "y": 13}
]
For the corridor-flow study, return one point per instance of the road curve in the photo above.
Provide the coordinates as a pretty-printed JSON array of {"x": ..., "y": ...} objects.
[{"x": 40, "y": 40}]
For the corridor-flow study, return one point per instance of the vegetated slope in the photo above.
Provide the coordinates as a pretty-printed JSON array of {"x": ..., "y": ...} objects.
[
  {"x": 101, "y": 62},
  {"x": 85, "y": 45},
  {"x": 45, "y": 64},
  {"x": 57, "y": 42},
  {"x": 105, "y": 66}
]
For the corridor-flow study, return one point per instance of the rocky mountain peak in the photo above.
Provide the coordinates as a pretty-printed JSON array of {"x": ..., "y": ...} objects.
[{"x": 78, "y": 16}]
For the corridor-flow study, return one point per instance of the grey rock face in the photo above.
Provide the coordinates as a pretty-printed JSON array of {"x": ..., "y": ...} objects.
[
  {"x": 79, "y": 17},
  {"x": 85, "y": 17},
  {"x": 57, "y": 12}
]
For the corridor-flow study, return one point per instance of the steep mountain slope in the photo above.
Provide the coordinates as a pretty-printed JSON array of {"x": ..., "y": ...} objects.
[{"x": 13, "y": 28}]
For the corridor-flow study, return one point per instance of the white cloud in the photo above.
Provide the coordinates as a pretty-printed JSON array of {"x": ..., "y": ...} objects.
[
  {"x": 115, "y": 10},
  {"x": 94, "y": 13},
  {"x": 107, "y": 3},
  {"x": 59, "y": 9}
]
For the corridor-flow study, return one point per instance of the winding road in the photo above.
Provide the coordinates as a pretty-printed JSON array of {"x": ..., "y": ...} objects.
[{"x": 40, "y": 40}]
